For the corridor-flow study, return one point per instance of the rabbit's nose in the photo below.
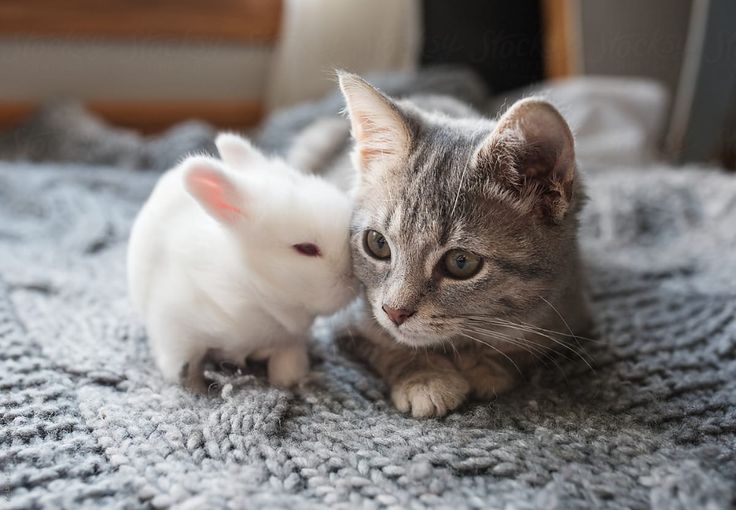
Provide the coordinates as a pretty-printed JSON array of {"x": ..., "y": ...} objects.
[{"x": 398, "y": 315}]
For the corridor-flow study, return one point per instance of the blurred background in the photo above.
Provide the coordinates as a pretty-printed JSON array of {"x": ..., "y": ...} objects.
[{"x": 660, "y": 74}]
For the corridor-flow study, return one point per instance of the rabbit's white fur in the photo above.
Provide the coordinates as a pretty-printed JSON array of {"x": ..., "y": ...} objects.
[{"x": 213, "y": 270}]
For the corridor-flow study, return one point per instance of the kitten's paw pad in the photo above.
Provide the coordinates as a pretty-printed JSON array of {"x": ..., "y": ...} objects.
[{"x": 429, "y": 393}]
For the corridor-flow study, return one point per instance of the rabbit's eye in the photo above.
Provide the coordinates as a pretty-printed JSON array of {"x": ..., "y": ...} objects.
[{"x": 308, "y": 249}]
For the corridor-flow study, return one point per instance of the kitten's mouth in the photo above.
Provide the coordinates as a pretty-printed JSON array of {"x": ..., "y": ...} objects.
[
  {"x": 415, "y": 340},
  {"x": 409, "y": 335}
]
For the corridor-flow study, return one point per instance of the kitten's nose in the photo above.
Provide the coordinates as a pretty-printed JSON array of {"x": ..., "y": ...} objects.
[{"x": 397, "y": 315}]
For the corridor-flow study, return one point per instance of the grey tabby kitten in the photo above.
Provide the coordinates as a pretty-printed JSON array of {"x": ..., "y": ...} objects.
[{"x": 464, "y": 236}]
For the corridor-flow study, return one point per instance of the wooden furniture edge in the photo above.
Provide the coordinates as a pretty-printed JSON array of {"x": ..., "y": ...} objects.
[
  {"x": 560, "y": 38},
  {"x": 152, "y": 116},
  {"x": 215, "y": 20}
]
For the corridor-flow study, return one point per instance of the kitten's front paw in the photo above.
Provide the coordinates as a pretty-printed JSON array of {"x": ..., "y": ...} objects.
[
  {"x": 488, "y": 376},
  {"x": 429, "y": 393},
  {"x": 488, "y": 385}
]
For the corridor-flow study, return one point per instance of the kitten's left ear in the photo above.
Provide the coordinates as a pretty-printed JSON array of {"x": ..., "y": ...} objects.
[
  {"x": 531, "y": 151},
  {"x": 381, "y": 135}
]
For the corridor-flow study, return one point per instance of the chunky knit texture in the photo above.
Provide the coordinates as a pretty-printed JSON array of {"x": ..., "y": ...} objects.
[{"x": 86, "y": 420}]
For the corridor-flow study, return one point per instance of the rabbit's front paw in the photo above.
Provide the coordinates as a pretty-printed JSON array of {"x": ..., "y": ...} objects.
[{"x": 288, "y": 366}]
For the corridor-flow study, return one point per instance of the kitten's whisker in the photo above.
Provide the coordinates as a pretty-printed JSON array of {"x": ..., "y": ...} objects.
[
  {"x": 560, "y": 333},
  {"x": 525, "y": 325},
  {"x": 562, "y": 319},
  {"x": 528, "y": 345},
  {"x": 495, "y": 349},
  {"x": 542, "y": 354},
  {"x": 539, "y": 353},
  {"x": 498, "y": 320},
  {"x": 539, "y": 332},
  {"x": 532, "y": 330},
  {"x": 454, "y": 349},
  {"x": 558, "y": 314},
  {"x": 525, "y": 344}
]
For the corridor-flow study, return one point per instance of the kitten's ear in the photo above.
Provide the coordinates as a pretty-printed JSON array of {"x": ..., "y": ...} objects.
[
  {"x": 531, "y": 151},
  {"x": 380, "y": 131},
  {"x": 213, "y": 189},
  {"x": 236, "y": 151}
]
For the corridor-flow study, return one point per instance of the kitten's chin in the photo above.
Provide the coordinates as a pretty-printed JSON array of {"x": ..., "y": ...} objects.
[{"x": 412, "y": 338}]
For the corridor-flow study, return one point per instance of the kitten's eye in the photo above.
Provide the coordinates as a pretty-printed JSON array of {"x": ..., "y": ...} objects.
[
  {"x": 376, "y": 245},
  {"x": 461, "y": 264},
  {"x": 308, "y": 249}
]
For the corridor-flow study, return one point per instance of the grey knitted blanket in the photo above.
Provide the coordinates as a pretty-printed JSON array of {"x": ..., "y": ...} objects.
[{"x": 87, "y": 422}]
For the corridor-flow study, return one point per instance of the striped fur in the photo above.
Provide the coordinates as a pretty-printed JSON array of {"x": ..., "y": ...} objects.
[{"x": 506, "y": 190}]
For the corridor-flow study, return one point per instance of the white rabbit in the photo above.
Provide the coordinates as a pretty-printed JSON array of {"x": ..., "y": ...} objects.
[{"x": 234, "y": 259}]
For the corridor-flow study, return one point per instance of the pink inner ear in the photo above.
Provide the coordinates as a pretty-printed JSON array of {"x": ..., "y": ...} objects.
[
  {"x": 375, "y": 141},
  {"x": 212, "y": 191}
]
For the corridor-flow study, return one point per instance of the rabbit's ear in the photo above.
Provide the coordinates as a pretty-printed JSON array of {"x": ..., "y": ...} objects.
[
  {"x": 213, "y": 189},
  {"x": 237, "y": 152}
]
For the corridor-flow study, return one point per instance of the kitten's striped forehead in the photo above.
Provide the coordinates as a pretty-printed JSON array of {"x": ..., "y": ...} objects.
[{"x": 431, "y": 206}]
